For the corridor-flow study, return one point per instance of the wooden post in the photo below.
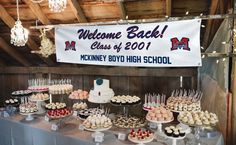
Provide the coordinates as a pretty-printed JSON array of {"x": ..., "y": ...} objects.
[{"x": 233, "y": 89}]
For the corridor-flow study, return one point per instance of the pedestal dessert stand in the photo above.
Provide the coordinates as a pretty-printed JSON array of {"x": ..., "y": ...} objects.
[
  {"x": 141, "y": 142},
  {"x": 160, "y": 136},
  {"x": 174, "y": 139},
  {"x": 125, "y": 107},
  {"x": 29, "y": 115},
  {"x": 101, "y": 104},
  {"x": 39, "y": 104},
  {"x": 159, "y": 125},
  {"x": 77, "y": 101},
  {"x": 197, "y": 130}
]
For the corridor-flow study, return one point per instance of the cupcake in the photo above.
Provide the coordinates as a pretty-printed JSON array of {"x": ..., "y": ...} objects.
[
  {"x": 169, "y": 132},
  {"x": 176, "y": 134},
  {"x": 181, "y": 133},
  {"x": 166, "y": 129}
]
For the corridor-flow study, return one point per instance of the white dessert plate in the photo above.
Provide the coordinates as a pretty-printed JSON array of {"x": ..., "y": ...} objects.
[
  {"x": 98, "y": 129},
  {"x": 140, "y": 141},
  {"x": 160, "y": 121}
]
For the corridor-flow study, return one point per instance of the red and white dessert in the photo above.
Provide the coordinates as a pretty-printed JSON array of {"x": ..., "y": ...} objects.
[
  {"x": 140, "y": 135},
  {"x": 58, "y": 113}
]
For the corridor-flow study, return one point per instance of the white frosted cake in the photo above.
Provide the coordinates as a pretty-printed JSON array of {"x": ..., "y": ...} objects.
[{"x": 102, "y": 93}]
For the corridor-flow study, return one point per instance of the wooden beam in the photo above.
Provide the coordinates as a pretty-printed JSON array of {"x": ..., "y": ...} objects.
[
  {"x": 10, "y": 22},
  {"x": 35, "y": 8},
  {"x": 121, "y": 6},
  {"x": 13, "y": 53},
  {"x": 168, "y": 7},
  {"x": 77, "y": 10},
  {"x": 2, "y": 63},
  {"x": 104, "y": 71},
  {"x": 213, "y": 10}
]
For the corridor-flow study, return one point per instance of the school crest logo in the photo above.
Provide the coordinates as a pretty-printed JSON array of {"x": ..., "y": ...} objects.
[
  {"x": 70, "y": 45},
  {"x": 182, "y": 44}
]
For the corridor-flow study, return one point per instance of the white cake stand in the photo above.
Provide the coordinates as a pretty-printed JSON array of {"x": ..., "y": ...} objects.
[
  {"x": 98, "y": 129},
  {"x": 174, "y": 139},
  {"x": 159, "y": 124},
  {"x": 39, "y": 104},
  {"x": 29, "y": 116}
]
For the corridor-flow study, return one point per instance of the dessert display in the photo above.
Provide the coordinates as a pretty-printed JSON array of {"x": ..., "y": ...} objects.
[
  {"x": 125, "y": 100},
  {"x": 13, "y": 102},
  {"x": 159, "y": 114},
  {"x": 21, "y": 93},
  {"x": 61, "y": 89},
  {"x": 85, "y": 113},
  {"x": 39, "y": 97},
  {"x": 79, "y": 106},
  {"x": 129, "y": 122},
  {"x": 38, "y": 85},
  {"x": 140, "y": 135},
  {"x": 101, "y": 93},
  {"x": 79, "y": 94},
  {"x": 173, "y": 131},
  {"x": 57, "y": 105},
  {"x": 153, "y": 100},
  {"x": 59, "y": 113},
  {"x": 199, "y": 118},
  {"x": 184, "y": 101},
  {"x": 97, "y": 121},
  {"x": 28, "y": 108}
]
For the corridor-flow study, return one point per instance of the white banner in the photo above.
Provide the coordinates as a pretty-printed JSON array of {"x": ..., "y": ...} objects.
[{"x": 164, "y": 44}]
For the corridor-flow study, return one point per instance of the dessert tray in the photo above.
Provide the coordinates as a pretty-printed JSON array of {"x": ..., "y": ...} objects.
[
  {"x": 85, "y": 113},
  {"x": 12, "y": 102},
  {"x": 140, "y": 137},
  {"x": 59, "y": 113},
  {"x": 79, "y": 106},
  {"x": 97, "y": 123},
  {"x": 79, "y": 95},
  {"x": 183, "y": 100},
  {"x": 39, "y": 97},
  {"x": 153, "y": 101},
  {"x": 38, "y": 85},
  {"x": 160, "y": 115},
  {"x": 98, "y": 129},
  {"x": 173, "y": 132},
  {"x": 56, "y": 105},
  {"x": 129, "y": 122},
  {"x": 140, "y": 142},
  {"x": 21, "y": 93},
  {"x": 160, "y": 122},
  {"x": 201, "y": 119},
  {"x": 125, "y": 100}
]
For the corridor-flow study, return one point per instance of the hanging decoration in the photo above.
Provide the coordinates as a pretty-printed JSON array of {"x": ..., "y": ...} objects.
[
  {"x": 57, "y": 5},
  {"x": 47, "y": 47},
  {"x": 19, "y": 34}
]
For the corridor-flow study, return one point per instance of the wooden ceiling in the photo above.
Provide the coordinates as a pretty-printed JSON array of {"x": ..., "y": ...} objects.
[{"x": 85, "y": 11}]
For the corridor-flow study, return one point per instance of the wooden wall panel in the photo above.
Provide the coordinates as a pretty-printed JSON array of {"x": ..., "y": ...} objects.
[{"x": 126, "y": 83}]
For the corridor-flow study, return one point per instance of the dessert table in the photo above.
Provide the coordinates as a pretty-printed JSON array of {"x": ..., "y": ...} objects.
[{"x": 16, "y": 131}]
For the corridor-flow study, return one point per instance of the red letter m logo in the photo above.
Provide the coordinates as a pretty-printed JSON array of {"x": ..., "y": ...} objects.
[
  {"x": 183, "y": 44},
  {"x": 70, "y": 46}
]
